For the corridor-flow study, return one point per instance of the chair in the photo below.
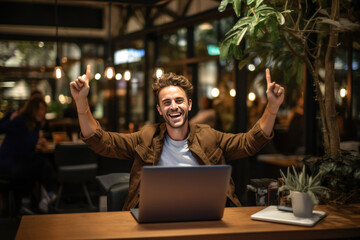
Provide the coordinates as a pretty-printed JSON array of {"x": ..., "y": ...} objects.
[
  {"x": 116, "y": 186},
  {"x": 76, "y": 164},
  {"x": 6, "y": 188}
]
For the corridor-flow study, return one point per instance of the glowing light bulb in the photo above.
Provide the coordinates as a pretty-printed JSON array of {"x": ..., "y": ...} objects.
[
  {"x": 58, "y": 72},
  {"x": 232, "y": 92},
  {"x": 252, "y": 96},
  {"x": 127, "y": 75},
  {"x": 215, "y": 92},
  {"x": 251, "y": 67},
  {"x": 109, "y": 72},
  {"x": 97, "y": 76},
  {"x": 159, "y": 72},
  {"x": 118, "y": 76},
  {"x": 343, "y": 92}
]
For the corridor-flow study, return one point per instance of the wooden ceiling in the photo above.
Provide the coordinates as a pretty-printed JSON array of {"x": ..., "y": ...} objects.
[{"x": 87, "y": 20}]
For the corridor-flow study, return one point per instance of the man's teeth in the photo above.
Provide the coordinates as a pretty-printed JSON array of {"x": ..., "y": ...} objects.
[{"x": 174, "y": 115}]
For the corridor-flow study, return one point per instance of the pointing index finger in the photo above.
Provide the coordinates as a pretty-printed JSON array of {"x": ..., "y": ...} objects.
[
  {"x": 88, "y": 71},
  {"x": 268, "y": 77}
]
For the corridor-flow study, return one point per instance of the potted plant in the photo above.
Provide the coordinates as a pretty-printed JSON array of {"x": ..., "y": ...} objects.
[
  {"x": 304, "y": 190},
  {"x": 308, "y": 33}
]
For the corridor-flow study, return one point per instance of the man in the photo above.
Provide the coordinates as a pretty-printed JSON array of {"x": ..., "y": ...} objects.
[{"x": 175, "y": 142}]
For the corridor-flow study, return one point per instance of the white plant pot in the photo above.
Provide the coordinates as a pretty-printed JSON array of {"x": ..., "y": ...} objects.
[{"x": 302, "y": 204}]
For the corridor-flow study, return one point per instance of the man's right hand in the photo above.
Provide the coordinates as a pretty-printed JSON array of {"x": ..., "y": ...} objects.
[
  {"x": 80, "y": 87},
  {"x": 80, "y": 90}
]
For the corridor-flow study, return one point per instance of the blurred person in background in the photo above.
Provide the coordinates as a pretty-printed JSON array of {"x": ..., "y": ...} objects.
[
  {"x": 18, "y": 161},
  {"x": 207, "y": 115}
]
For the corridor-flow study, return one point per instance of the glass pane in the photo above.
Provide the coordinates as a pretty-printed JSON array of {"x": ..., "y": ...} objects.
[{"x": 173, "y": 46}]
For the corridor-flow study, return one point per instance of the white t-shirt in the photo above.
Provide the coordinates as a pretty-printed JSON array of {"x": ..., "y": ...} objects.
[{"x": 176, "y": 153}]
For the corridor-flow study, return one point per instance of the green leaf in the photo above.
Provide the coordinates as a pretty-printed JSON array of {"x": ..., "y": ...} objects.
[
  {"x": 357, "y": 174},
  {"x": 237, "y": 53},
  {"x": 237, "y": 7},
  {"x": 327, "y": 166},
  {"x": 258, "y": 2},
  {"x": 241, "y": 36},
  {"x": 280, "y": 18},
  {"x": 238, "y": 27},
  {"x": 313, "y": 197},
  {"x": 223, "y": 5},
  {"x": 225, "y": 53},
  {"x": 249, "y": 2}
]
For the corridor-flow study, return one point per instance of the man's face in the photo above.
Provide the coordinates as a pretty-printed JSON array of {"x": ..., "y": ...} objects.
[{"x": 174, "y": 106}]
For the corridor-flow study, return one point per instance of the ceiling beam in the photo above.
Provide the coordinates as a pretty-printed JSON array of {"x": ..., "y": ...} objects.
[
  {"x": 35, "y": 14},
  {"x": 212, "y": 14}
]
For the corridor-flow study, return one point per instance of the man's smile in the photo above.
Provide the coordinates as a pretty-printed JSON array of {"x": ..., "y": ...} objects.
[{"x": 175, "y": 115}]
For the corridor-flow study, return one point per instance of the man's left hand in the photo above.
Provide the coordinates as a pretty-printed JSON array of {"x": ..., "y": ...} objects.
[{"x": 275, "y": 93}]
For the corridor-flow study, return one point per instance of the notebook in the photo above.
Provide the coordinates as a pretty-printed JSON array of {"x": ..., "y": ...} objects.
[
  {"x": 191, "y": 193},
  {"x": 272, "y": 214}
]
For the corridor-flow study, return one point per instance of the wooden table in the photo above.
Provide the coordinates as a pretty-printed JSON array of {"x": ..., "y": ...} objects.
[
  {"x": 281, "y": 159},
  {"x": 340, "y": 222}
]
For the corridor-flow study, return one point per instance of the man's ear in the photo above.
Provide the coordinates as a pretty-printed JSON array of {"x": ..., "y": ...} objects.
[
  {"x": 190, "y": 104},
  {"x": 158, "y": 108}
]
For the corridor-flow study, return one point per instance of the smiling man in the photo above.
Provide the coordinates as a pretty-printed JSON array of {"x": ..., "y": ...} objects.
[{"x": 174, "y": 142}]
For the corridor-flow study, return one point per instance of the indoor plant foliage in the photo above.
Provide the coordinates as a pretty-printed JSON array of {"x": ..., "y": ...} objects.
[
  {"x": 341, "y": 175},
  {"x": 301, "y": 182},
  {"x": 304, "y": 191},
  {"x": 308, "y": 32},
  {"x": 304, "y": 31}
]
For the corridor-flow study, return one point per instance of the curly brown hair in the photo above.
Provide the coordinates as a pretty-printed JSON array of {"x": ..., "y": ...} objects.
[{"x": 171, "y": 79}]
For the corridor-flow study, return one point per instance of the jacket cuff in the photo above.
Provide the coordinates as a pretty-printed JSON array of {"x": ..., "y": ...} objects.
[
  {"x": 259, "y": 133},
  {"x": 93, "y": 138}
]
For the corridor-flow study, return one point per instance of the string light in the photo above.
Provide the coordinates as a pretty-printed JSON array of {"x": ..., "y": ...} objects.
[
  {"x": 127, "y": 75},
  {"x": 159, "y": 72},
  {"x": 109, "y": 72},
  {"x": 252, "y": 96},
  {"x": 97, "y": 76},
  {"x": 118, "y": 76},
  {"x": 343, "y": 92},
  {"x": 58, "y": 72},
  {"x": 215, "y": 92}
]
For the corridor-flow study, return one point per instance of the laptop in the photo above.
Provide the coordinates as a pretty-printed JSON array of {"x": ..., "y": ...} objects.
[{"x": 190, "y": 193}]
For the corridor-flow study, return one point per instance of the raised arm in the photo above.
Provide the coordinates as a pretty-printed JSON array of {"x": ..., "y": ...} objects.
[
  {"x": 80, "y": 90},
  {"x": 275, "y": 96}
]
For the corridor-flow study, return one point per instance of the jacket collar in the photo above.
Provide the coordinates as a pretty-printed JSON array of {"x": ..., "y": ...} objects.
[{"x": 192, "y": 130}]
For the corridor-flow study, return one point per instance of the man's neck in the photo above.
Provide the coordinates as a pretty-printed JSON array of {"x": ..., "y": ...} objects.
[{"x": 178, "y": 134}]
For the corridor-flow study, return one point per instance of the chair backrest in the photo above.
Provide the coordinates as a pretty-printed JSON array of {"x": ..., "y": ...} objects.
[
  {"x": 74, "y": 154},
  {"x": 75, "y": 163}
]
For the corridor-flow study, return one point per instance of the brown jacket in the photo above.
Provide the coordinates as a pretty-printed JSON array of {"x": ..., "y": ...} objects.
[{"x": 208, "y": 146}]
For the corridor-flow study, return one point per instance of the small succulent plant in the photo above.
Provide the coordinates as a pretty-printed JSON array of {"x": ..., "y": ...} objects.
[{"x": 302, "y": 182}]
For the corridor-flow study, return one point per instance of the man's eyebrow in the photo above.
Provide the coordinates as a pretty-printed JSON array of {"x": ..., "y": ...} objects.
[
  {"x": 177, "y": 98},
  {"x": 165, "y": 99}
]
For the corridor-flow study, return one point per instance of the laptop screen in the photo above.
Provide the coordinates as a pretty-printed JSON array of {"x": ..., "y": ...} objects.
[{"x": 182, "y": 193}]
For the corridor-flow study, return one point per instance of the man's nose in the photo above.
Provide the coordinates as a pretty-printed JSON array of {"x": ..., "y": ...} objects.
[{"x": 173, "y": 105}]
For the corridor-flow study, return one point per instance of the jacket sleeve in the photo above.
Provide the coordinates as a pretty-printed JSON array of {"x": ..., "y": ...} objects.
[
  {"x": 112, "y": 144},
  {"x": 240, "y": 145}
]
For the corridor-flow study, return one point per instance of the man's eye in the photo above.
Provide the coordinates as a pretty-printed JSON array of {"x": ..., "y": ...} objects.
[
  {"x": 179, "y": 100},
  {"x": 166, "y": 103}
]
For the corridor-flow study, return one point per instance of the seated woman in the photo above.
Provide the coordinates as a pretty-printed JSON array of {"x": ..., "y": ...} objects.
[{"x": 18, "y": 163}]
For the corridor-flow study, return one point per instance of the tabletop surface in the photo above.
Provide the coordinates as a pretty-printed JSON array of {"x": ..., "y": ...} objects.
[{"x": 340, "y": 222}]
